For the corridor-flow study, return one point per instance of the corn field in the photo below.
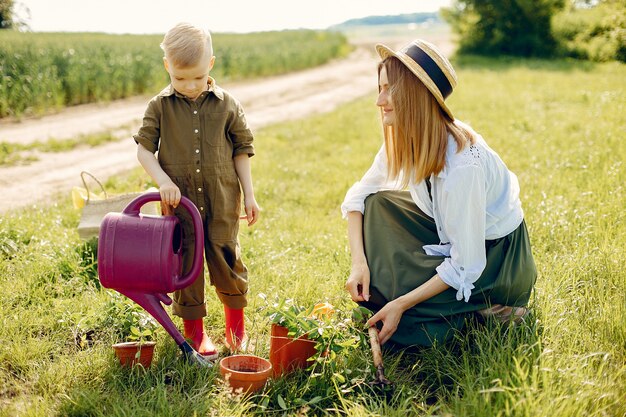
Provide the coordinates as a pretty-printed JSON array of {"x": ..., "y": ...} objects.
[{"x": 40, "y": 72}]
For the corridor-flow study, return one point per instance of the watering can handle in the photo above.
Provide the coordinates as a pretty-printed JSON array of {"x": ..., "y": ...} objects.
[{"x": 133, "y": 209}]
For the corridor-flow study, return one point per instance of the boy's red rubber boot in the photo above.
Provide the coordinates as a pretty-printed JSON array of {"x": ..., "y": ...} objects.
[
  {"x": 235, "y": 329},
  {"x": 200, "y": 341}
]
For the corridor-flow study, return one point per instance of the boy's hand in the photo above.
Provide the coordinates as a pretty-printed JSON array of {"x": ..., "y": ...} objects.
[
  {"x": 166, "y": 209},
  {"x": 170, "y": 194},
  {"x": 252, "y": 210}
]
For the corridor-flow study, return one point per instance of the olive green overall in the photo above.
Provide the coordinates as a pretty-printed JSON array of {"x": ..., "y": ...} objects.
[{"x": 197, "y": 141}]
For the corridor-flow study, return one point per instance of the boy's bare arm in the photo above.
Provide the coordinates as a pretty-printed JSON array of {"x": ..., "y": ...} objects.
[
  {"x": 170, "y": 194},
  {"x": 244, "y": 172}
]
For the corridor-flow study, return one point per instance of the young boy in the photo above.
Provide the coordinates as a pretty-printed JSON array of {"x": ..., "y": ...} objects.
[{"x": 204, "y": 145}]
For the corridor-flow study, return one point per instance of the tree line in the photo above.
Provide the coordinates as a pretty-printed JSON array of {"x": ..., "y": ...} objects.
[{"x": 585, "y": 29}]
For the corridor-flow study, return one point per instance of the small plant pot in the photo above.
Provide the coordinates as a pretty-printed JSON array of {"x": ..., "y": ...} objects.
[
  {"x": 132, "y": 353},
  {"x": 247, "y": 373},
  {"x": 288, "y": 353}
]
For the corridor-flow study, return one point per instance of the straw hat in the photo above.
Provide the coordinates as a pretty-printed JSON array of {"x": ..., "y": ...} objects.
[{"x": 429, "y": 65}]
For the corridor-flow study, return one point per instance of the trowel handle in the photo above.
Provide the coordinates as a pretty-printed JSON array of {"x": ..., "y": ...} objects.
[
  {"x": 375, "y": 343},
  {"x": 133, "y": 209}
]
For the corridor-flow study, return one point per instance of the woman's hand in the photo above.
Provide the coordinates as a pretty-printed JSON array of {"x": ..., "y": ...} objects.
[
  {"x": 358, "y": 283},
  {"x": 392, "y": 312},
  {"x": 390, "y": 315}
]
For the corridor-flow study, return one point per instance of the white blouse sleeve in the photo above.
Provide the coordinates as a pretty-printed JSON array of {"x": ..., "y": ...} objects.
[
  {"x": 374, "y": 180},
  {"x": 463, "y": 213}
]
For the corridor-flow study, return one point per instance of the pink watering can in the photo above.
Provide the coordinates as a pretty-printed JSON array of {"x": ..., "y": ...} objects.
[{"x": 140, "y": 256}]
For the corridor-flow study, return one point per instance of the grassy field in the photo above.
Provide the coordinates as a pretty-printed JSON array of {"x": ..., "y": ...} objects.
[
  {"x": 44, "y": 71},
  {"x": 558, "y": 125}
]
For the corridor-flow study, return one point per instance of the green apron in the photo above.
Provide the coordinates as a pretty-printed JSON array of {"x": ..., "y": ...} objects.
[{"x": 394, "y": 232}]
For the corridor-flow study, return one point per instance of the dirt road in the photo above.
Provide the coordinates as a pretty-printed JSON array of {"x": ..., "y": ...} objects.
[{"x": 265, "y": 101}]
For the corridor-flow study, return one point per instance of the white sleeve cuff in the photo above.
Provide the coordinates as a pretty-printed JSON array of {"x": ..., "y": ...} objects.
[
  {"x": 455, "y": 279},
  {"x": 437, "y": 250},
  {"x": 356, "y": 195},
  {"x": 348, "y": 207}
]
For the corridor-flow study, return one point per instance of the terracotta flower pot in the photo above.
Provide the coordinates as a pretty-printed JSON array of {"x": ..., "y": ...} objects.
[
  {"x": 247, "y": 373},
  {"x": 287, "y": 353},
  {"x": 127, "y": 353}
]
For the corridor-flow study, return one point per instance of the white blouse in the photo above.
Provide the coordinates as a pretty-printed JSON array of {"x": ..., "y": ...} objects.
[{"x": 474, "y": 198}]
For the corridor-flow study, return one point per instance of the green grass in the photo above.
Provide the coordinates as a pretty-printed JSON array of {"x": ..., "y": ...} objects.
[{"x": 558, "y": 125}]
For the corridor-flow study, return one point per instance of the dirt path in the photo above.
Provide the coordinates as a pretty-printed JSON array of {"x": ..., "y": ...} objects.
[{"x": 265, "y": 101}]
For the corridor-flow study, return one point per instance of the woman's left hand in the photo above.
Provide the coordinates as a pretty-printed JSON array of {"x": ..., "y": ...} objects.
[{"x": 390, "y": 315}]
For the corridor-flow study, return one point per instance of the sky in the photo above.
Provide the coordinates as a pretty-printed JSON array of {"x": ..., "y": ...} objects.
[{"x": 157, "y": 16}]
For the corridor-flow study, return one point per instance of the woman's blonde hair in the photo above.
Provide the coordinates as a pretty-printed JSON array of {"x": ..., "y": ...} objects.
[
  {"x": 416, "y": 143},
  {"x": 185, "y": 45}
]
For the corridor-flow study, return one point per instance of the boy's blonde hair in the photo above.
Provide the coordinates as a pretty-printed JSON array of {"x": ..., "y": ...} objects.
[
  {"x": 417, "y": 142},
  {"x": 185, "y": 45}
]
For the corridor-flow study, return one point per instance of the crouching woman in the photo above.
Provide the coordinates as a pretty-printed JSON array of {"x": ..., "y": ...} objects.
[{"x": 435, "y": 226}]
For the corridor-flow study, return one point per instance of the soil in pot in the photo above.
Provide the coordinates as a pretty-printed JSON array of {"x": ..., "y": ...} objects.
[
  {"x": 127, "y": 353},
  {"x": 245, "y": 373},
  {"x": 287, "y": 353}
]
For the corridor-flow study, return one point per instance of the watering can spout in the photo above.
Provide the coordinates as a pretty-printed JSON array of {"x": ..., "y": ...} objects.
[
  {"x": 152, "y": 304},
  {"x": 194, "y": 357}
]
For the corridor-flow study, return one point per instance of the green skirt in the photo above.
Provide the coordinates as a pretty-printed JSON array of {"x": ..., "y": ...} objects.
[{"x": 394, "y": 232}]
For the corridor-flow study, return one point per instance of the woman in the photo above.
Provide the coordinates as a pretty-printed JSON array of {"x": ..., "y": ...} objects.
[{"x": 435, "y": 226}]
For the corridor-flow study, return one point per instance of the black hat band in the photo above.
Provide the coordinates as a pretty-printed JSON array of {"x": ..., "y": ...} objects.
[{"x": 431, "y": 68}]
